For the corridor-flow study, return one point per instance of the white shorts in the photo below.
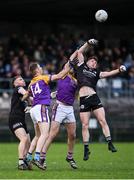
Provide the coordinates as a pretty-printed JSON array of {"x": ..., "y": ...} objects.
[
  {"x": 39, "y": 113},
  {"x": 63, "y": 114}
]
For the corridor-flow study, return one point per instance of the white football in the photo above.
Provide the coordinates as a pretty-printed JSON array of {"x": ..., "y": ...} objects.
[{"x": 101, "y": 15}]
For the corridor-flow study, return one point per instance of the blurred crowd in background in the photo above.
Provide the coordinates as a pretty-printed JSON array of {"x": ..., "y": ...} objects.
[{"x": 52, "y": 50}]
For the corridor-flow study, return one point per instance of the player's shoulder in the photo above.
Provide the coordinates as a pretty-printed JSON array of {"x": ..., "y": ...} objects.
[
  {"x": 16, "y": 89},
  {"x": 45, "y": 76},
  {"x": 98, "y": 71},
  {"x": 37, "y": 78}
]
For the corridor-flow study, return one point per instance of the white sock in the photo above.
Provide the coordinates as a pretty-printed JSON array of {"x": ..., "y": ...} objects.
[{"x": 21, "y": 161}]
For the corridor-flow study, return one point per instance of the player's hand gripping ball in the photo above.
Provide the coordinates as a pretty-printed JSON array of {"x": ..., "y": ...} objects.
[
  {"x": 122, "y": 68},
  {"x": 93, "y": 42},
  {"x": 101, "y": 15}
]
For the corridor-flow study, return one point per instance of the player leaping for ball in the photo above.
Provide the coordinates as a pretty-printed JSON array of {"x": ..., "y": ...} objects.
[
  {"x": 63, "y": 112},
  {"x": 39, "y": 89},
  {"x": 87, "y": 76}
]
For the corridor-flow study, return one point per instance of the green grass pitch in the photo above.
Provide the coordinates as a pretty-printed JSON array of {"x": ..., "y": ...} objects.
[{"x": 101, "y": 165}]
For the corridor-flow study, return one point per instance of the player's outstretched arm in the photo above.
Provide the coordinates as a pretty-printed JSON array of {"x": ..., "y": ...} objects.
[
  {"x": 62, "y": 73},
  {"x": 106, "y": 74},
  {"x": 73, "y": 56},
  {"x": 80, "y": 57},
  {"x": 90, "y": 43},
  {"x": 69, "y": 65}
]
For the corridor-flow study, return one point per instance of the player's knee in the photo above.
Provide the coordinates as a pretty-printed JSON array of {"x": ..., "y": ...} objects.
[
  {"x": 52, "y": 135},
  {"x": 24, "y": 139},
  {"x": 72, "y": 136},
  {"x": 85, "y": 126},
  {"x": 46, "y": 135},
  {"x": 36, "y": 138}
]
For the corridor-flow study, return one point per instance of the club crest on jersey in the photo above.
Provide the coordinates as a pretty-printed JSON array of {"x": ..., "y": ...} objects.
[{"x": 82, "y": 106}]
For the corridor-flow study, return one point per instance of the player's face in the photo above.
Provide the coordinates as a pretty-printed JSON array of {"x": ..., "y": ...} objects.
[
  {"x": 92, "y": 63},
  {"x": 19, "y": 82},
  {"x": 40, "y": 69}
]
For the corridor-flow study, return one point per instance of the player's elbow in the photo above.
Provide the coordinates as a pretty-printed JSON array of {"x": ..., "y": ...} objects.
[
  {"x": 58, "y": 76},
  {"x": 80, "y": 51},
  {"x": 62, "y": 74}
]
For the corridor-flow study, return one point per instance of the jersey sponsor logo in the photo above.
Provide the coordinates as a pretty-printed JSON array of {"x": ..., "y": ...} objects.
[{"x": 89, "y": 73}]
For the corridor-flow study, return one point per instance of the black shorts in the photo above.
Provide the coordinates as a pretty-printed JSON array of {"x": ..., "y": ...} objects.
[
  {"x": 16, "y": 123},
  {"x": 90, "y": 103}
]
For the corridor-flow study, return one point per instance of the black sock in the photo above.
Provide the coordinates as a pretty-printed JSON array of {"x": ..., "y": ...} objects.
[{"x": 86, "y": 146}]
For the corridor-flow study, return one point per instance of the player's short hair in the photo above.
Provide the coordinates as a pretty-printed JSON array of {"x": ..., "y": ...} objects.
[
  {"x": 14, "y": 78},
  {"x": 33, "y": 67},
  {"x": 92, "y": 57}
]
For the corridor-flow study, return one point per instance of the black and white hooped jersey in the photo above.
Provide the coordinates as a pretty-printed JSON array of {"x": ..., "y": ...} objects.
[{"x": 87, "y": 76}]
